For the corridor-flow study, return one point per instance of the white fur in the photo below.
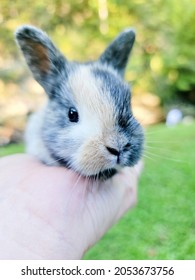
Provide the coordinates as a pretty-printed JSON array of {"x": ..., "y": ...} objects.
[{"x": 34, "y": 143}]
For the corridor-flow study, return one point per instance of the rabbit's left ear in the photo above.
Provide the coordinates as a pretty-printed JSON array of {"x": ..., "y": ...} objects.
[{"x": 117, "y": 53}]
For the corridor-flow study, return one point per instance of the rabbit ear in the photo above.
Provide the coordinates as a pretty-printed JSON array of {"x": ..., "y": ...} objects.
[
  {"x": 42, "y": 57},
  {"x": 117, "y": 53}
]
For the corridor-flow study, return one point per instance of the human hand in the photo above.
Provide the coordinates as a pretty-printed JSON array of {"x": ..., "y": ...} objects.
[{"x": 53, "y": 213}]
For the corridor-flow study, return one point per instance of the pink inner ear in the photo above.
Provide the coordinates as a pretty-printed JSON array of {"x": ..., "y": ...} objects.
[{"x": 40, "y": 57}]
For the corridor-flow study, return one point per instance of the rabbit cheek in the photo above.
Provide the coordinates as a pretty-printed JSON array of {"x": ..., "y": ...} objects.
[{"x": 91, "y": 158}]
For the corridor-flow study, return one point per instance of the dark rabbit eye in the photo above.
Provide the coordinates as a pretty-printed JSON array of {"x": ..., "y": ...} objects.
[{"x": 73, "y": 115}]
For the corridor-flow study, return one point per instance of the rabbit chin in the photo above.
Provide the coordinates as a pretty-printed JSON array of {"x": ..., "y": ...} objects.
[{"x": 102, "y": 174}]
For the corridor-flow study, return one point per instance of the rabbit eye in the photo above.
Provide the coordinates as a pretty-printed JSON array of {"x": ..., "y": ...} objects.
[{"x": 73, "y": 115}]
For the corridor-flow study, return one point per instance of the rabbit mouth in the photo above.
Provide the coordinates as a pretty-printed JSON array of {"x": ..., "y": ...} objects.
[{"x": 103, "y": 175}]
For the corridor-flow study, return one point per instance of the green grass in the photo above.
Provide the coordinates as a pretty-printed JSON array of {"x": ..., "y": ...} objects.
[
  {"x": 162, "y": 225},
  {"x": 11, "y": 149}
]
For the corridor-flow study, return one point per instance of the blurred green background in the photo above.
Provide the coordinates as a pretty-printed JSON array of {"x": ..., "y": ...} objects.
[{"x": 162, "y": 74}]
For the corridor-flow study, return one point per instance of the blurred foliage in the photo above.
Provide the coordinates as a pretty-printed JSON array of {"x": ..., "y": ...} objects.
[{"x": 163, "y": 60}]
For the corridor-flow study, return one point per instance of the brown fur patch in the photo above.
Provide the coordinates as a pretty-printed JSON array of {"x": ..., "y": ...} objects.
[
  {"x": 40, "y": 56},
  {"x": 93, "y": 157}
]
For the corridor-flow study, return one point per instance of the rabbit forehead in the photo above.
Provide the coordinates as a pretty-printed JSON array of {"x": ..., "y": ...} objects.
[{"x": 92, "y": 101}]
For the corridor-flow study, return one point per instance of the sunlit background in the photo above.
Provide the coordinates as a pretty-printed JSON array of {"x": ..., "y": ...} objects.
[{"x": 161, "y": 72}]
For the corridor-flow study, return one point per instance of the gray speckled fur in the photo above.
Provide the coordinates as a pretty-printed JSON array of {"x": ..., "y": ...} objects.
[{"x": 45, "y": 130}]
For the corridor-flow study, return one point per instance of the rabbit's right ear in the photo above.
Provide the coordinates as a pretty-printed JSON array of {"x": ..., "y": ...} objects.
[
  {"x": 117, "y": 53},
  {"x": 42, "y": 57}
]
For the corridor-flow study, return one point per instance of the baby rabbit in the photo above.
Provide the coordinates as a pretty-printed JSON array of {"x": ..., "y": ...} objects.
[{"x": 87, "y": 124}]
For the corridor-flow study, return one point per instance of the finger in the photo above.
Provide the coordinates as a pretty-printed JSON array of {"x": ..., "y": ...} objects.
[{"x": 126, "y": 183}]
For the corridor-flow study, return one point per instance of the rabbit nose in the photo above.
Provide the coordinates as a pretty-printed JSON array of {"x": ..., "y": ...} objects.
[{"x": 113, "y": 151}]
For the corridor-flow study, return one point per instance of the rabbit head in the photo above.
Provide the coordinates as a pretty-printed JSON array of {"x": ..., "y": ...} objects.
[{"x": 88, "y": 124}]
